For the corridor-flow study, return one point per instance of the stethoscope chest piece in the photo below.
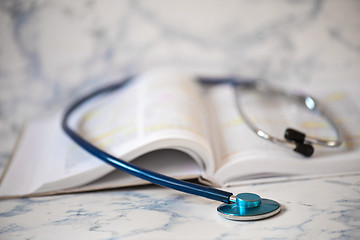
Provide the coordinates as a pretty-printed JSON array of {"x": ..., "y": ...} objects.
[{"x": 249, "y": 206}]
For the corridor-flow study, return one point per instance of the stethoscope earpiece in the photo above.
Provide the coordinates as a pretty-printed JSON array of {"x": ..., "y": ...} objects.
[
  {"x": 249, "y": 207},
  {"x": 305, "y": 149},
  {"x": 294, "y": 135}
]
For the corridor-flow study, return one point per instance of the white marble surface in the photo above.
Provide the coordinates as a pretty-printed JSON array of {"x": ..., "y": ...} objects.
[
  {"x": 52, "y": 51},
  {"x": 312, "y": 209}
]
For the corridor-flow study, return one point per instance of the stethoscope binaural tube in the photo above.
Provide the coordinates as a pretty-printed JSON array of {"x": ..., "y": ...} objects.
[
  {"x": 294, "y": 139},
  {"x": 246, "y": 206}
]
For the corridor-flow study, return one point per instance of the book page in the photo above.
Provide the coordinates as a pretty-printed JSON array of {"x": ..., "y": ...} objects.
[
  {"x": 160, "y": 109},
  {"x": 46, "y": 155},
  {"x": 181, "y": 166},
  {"x": 241, "y": 154}
]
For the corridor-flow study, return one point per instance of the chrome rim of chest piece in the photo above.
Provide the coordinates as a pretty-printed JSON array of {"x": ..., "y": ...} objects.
[{"x": 248, "y": 207}]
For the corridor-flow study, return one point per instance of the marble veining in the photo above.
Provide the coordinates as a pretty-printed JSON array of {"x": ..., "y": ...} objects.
[
  {"x": 53, "y": 51},
  {"x": 153, "y": 213}
]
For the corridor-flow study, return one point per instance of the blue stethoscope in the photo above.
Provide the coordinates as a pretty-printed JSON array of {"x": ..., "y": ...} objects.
[{"x": 243, "y": 206}]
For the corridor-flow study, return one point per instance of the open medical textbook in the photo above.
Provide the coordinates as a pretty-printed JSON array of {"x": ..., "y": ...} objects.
[{"x": 167, "y": 122}]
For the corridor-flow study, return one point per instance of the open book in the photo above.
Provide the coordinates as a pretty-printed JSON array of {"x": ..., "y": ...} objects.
[{"x": 167, "y": 122}]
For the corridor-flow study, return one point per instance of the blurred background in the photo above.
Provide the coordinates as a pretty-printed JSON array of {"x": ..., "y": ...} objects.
[{"x": 53, "y": 51}]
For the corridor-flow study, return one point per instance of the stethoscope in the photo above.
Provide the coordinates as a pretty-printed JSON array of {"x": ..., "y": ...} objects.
[{"x": 243, "y": 206}]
